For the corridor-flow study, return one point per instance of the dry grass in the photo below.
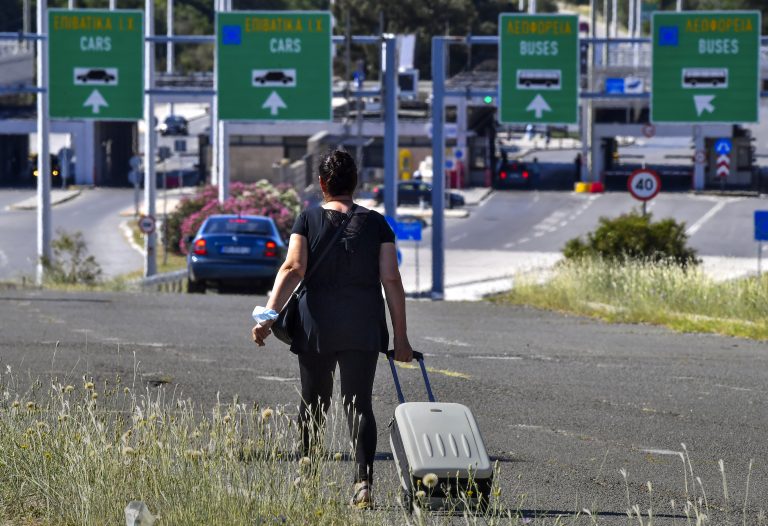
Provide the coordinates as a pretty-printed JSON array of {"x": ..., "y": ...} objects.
[{"x": 685, "y": 300}]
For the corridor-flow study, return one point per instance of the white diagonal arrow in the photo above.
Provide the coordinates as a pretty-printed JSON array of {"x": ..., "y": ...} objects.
[
  {"x": 274, "y": 103},
  {"x": 538, "y": 105},
  {"x": 95, "y": 101},
  {"x": 703, "y": 103}
]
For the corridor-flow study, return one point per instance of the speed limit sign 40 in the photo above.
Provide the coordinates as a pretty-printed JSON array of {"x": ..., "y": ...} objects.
[{"x": 644, "y": 184}]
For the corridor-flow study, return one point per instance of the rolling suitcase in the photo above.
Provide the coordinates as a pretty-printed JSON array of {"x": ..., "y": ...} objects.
[{"x": 439, "y": 441}]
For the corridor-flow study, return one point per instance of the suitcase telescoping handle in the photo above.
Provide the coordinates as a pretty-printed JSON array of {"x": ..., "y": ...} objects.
[{"x": 419, "y": 358}]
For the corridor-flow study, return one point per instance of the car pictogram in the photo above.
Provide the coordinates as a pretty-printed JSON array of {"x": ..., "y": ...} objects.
[
  {"x": 273, "y": 76},
  {"x": 96, "y": 75}
]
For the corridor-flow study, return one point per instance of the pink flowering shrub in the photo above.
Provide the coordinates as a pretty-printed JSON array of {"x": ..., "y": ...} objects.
[{"x": 281, "y": 203}]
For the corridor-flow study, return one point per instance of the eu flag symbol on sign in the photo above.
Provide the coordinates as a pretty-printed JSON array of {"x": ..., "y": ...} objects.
[
  {"x": 231, "y": 35},
  {"x": 668, "y": 36}
]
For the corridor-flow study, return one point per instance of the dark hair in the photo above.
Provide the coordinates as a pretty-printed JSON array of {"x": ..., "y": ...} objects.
[{"x": 338, "y": 172}]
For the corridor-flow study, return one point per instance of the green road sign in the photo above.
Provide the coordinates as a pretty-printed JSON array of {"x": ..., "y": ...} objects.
[
  {"x": 538, "y": 69},
  {"x": 96, "y": 62},
  {"x": 274, "y": 65},
  {"x": 706, "y": 67}
]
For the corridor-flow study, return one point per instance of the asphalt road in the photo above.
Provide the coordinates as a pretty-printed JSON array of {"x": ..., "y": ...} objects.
[
  {"x": 95, "y": 213},
  {"x": 563, "y": 402},
  {"x": 514, "y": 221},
  {"x": 545, "y": 221}
]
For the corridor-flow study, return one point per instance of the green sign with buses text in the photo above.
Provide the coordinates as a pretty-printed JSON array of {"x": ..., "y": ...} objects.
[
  {"x": 706, "y": 67},
  {"x": 538, "y": 69},
  {"x": 274, "y": 65},
  {"x": 95, "y": 64}
]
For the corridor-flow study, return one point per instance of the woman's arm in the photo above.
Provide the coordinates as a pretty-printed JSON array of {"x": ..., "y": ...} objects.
[
  {"x": 288, "y": 277},
  {"x": 395, "y": 294}
]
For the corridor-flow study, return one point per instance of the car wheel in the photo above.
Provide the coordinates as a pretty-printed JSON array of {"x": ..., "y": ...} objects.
[{"x": 195, "y": 287}]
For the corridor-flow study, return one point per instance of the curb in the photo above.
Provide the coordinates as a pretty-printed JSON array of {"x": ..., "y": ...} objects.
[
  {"x": 128, "y": 234},
  {"x": 31, "y": 204},
  {"x": 729, "y": 193}
]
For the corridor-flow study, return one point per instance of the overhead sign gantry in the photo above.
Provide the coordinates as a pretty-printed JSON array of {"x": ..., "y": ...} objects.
[
  {"x": 274, "y": 65},
  {"x": 96, "y": 68},
  {"x": 538, "y": 69},
  {"x": 706, "y": 67}
]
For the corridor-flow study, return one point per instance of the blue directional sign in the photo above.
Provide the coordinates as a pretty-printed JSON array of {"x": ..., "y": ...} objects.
[
  {"x": 408, "y": 230},
  {"x": 614, "y": 85},
  {"x": 761, "y": 225},
  {"x": 723, "y": 146}
]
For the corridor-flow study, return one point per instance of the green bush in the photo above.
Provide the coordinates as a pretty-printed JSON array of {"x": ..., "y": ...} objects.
[
  {"x": 635, "y": 237},
  {"x": 70, "y": 263},
  {"x": 280, "y": 202}
]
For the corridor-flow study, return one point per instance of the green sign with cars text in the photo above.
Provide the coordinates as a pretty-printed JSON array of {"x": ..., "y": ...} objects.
[
  {"x": 95, "y": 64},
  {"x": 274, "y": 65},
  {"x": 538, "y": 69},
  {"x": 706, "y": 67}
]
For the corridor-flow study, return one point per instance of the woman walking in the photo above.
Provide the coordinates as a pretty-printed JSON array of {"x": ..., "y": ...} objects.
[{"x": 342, "y": 316}]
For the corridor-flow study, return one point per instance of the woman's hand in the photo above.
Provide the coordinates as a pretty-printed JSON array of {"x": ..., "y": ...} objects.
[
  {"x": 260, "y": 332},
  {"x": 403, "y": 350}
]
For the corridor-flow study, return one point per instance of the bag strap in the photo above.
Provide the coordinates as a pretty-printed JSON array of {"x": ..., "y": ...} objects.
[{"x": 344, "y": 223}]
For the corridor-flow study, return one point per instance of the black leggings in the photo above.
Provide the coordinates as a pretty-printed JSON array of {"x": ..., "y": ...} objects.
[{"x": 357, "y": 369}]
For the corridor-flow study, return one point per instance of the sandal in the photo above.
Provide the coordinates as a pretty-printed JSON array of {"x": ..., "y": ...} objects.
[{"x": 362, "y": 498}]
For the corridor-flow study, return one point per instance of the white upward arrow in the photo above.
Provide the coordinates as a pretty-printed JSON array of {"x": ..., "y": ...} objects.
[
  {"x": 703, "y": 103},
  {"x": 274, "y": 103},
  {"x": 538, "y": 105},
  {"x": 95, "y": 101}
]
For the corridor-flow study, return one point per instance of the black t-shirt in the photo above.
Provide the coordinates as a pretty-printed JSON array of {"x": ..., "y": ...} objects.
[{"x": 343, "y": 308}]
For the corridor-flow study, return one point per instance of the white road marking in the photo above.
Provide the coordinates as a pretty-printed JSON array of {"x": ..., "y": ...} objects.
[
  {"x": 734, "y": 388},
  {"x": 445, "y": 341},
  {"x": 706, "y": 217},
  {"x": 667, "y": 452},
  {"x": 457, "y": 238},
  {"x": 496, "y": 357},
  {"x": 510, "y": 245},
  {"x": 526, "y": 426},
  {"x": 276, "y": 379},
  {"x": 524, "y": 240},
  {"x": 3, "y": 259}
]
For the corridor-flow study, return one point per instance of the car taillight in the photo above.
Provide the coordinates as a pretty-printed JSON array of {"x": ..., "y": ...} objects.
[
  {"x": 503, "y": 175},
  {"x": 525, "y": 174},
  {"x": 270, "y": 249},
  {"x": 199, "y": 248}
]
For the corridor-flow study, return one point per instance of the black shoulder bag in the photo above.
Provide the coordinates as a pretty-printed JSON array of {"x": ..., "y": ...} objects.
[{"x": 288, "y": 320}]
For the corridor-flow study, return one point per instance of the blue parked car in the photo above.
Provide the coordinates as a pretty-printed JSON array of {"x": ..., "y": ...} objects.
[{"x": 231, "y": 249}]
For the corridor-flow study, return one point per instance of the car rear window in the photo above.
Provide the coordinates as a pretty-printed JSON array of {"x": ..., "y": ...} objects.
[{"x": 237, "y": 226}]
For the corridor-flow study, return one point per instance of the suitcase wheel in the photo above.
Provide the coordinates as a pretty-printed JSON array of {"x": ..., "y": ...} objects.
[{"x": 406, "y": 499}]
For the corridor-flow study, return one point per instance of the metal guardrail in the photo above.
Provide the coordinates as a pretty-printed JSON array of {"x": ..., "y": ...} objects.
[{"x": 165, "y": 282}]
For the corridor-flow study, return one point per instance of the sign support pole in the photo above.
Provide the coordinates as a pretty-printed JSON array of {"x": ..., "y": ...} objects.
[
  {"x": 223, "y": 138},
  {"x": 150, "y": 139},
  {"x": 43, "y": 146},
  {"x": 418, "y": 293},
  {"x": 759, "y": 258},
  {"x": 214, "y": 133},
  {"x": 439, "y": 45},
  {"x": 390, "y": 126}
]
